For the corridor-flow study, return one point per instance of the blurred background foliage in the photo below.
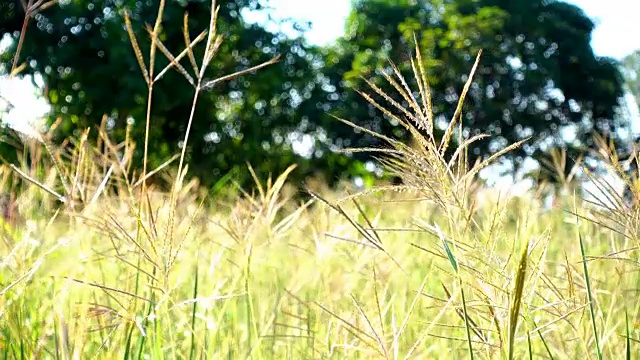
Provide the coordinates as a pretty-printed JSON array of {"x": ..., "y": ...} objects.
[{"x": 538, "y": 78}]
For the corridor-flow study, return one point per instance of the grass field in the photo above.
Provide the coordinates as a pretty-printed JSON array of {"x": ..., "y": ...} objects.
[
  {"x": 437, "y": 267},
  {"x": 263, "y": 281}
]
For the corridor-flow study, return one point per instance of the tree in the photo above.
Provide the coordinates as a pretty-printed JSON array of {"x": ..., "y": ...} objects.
[
  {"x": 631, "y": 70},
  {"x": 538, "y": 75},
  {"x": 85, "y": 56}
]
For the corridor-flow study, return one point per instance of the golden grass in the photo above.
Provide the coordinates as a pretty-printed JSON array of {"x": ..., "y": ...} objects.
[
  {"x": 88, "y": 289},
  {"x": 103, "y": 266}
]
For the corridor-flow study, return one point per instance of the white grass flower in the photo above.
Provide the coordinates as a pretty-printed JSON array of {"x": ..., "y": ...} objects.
[{"x": 64, "y": 241}]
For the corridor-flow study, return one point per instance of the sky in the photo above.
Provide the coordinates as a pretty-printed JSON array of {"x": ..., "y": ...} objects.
[
  {"x": 616, "y": 21},
  {"x": 617, "y": 25},
  {"x": 613, "y": 36}
]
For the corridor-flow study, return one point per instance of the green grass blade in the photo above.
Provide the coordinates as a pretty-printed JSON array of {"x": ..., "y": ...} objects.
[
  {"x": 454, "y": 264},
  {"x": 529, "y": 346},
  {"x": 452, "y": 259},
  {"x": 127, "y": 348},
  {"x": 56, "y": 337},
  {"x": 251, "y": 324},
  {"x": 514, "y": 311},
  {"x": 466, "y": 321},
  {"x": 589, "y": 296},
  {"x": 223, "y": 181},
  {"x": 628, "y": 335},
  {"x": 193, "y": 312},
  {"x": 140, "y": 343},
  {"x": 546, "y": 346}
]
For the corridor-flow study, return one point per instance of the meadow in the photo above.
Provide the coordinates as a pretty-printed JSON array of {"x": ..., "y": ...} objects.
[
  {"x": 263, "y": 276},
  {"x": 99, "y": 264}
]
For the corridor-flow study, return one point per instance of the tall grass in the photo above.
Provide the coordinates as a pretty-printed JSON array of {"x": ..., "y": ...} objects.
[{"x": 104, "y": 265}]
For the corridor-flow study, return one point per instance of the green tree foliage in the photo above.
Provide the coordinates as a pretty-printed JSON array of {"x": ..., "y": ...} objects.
[
  {"x": 538, "y": 72},
  {"x": 631, "y": 70},
  {"x": 83, "y": 52},
  {"x": 538, "y": 76}
]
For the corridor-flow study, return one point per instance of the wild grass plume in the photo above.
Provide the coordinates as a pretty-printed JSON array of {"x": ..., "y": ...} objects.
[{"x": 102, "y": 264}]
